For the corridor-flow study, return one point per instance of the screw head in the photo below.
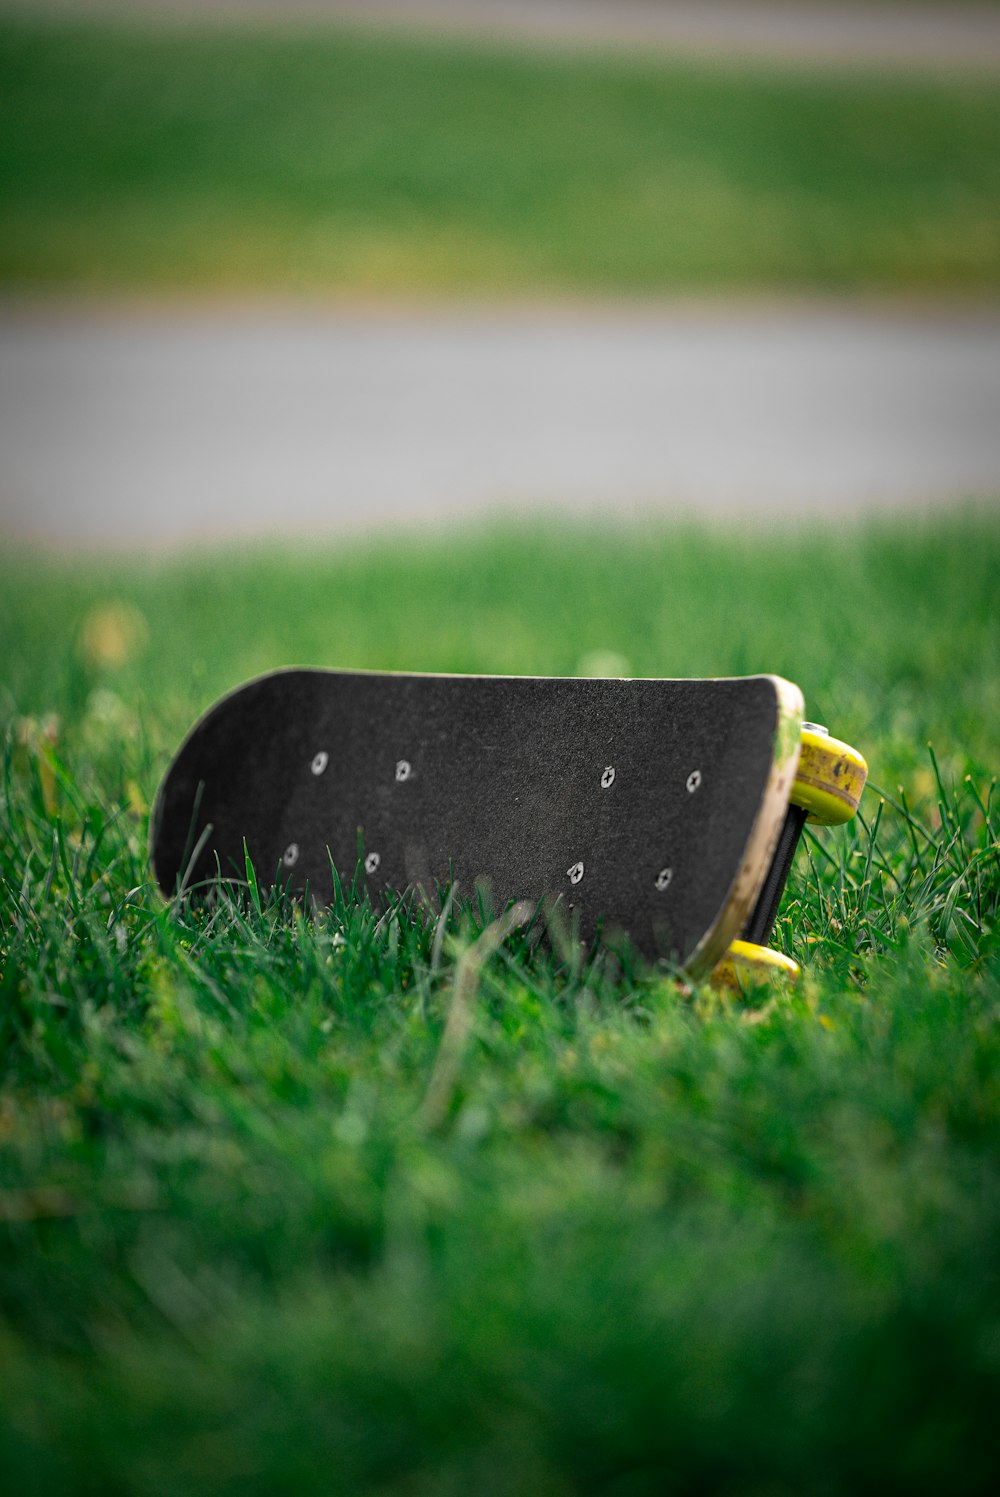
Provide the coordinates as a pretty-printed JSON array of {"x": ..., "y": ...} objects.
[
  {"x": 575, "y": 874},
  {"x": 290, "y": 856},
  {"x": 372, "y": 862},
  {"x": 663, "y": 878},
  {"x": 320, "y": 761},
  {"x": 608, "y": 777}
]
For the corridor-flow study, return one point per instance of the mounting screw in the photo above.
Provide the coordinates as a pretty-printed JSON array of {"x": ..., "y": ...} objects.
[
  {"x": 608, "y": 777},
  {"x": 693, "y": 781},
  {"x": 663, "y": 878},
  {"x": 320, "y": 761},
  {"x": 403, "y": 770},
  {"x": 372, "y": 862},
  {"x": 575, "y": 874},
  {"x": 290, "y": 856}
]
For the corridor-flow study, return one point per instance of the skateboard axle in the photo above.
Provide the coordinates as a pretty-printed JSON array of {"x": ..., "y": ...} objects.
[
  {"x": 831, "y": 776},
  {"x": 761, "y": 923}
]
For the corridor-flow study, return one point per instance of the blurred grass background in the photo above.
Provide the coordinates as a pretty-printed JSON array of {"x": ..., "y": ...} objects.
[
  {"x": 659, "y": 1241},
  {"x": 157, "y": 156},
  {"x": 667, "y": 599}
]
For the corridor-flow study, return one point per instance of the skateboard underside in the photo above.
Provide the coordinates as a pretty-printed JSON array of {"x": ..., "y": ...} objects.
[{"x": 641, "y": 806}]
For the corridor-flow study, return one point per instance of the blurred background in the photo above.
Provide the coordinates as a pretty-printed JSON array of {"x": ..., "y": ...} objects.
[{"x": 315, "y": 269}]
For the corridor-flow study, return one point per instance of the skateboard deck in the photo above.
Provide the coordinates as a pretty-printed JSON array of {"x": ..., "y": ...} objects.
[{"x": 651, "y": 807}]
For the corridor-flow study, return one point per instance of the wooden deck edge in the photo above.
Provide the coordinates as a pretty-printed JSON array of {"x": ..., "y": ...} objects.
[{"x": 759, "y": 850}]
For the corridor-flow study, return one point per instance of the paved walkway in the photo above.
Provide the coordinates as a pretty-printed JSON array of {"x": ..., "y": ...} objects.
[
  {"x": 878, "y": 33},
  {"x": 145, "y": 427}
]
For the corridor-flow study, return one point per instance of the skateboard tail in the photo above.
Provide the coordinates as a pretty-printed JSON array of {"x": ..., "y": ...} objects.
[{"x": 764, "y": 834}]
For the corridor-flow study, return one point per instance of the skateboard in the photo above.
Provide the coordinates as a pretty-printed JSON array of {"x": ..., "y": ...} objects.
[{"x": 667, "y": 810}]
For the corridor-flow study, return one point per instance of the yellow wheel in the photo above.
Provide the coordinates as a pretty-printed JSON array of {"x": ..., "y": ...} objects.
[
  {"x": 746, "y": 965},
  {"x": 830, "y": 777}
]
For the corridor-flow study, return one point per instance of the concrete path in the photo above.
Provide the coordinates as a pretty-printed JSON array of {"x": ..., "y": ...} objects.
[
  {"x": 879, "y": 33},
  {"x": 146, "y": 427}
]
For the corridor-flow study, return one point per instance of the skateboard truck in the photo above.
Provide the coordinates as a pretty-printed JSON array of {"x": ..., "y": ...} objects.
[{"x": 826, "y": 792}]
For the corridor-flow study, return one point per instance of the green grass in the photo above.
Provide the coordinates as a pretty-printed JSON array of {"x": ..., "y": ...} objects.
[
  {"x": 637, "y": 1240},
  {"x": 156, "y": 158}
]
